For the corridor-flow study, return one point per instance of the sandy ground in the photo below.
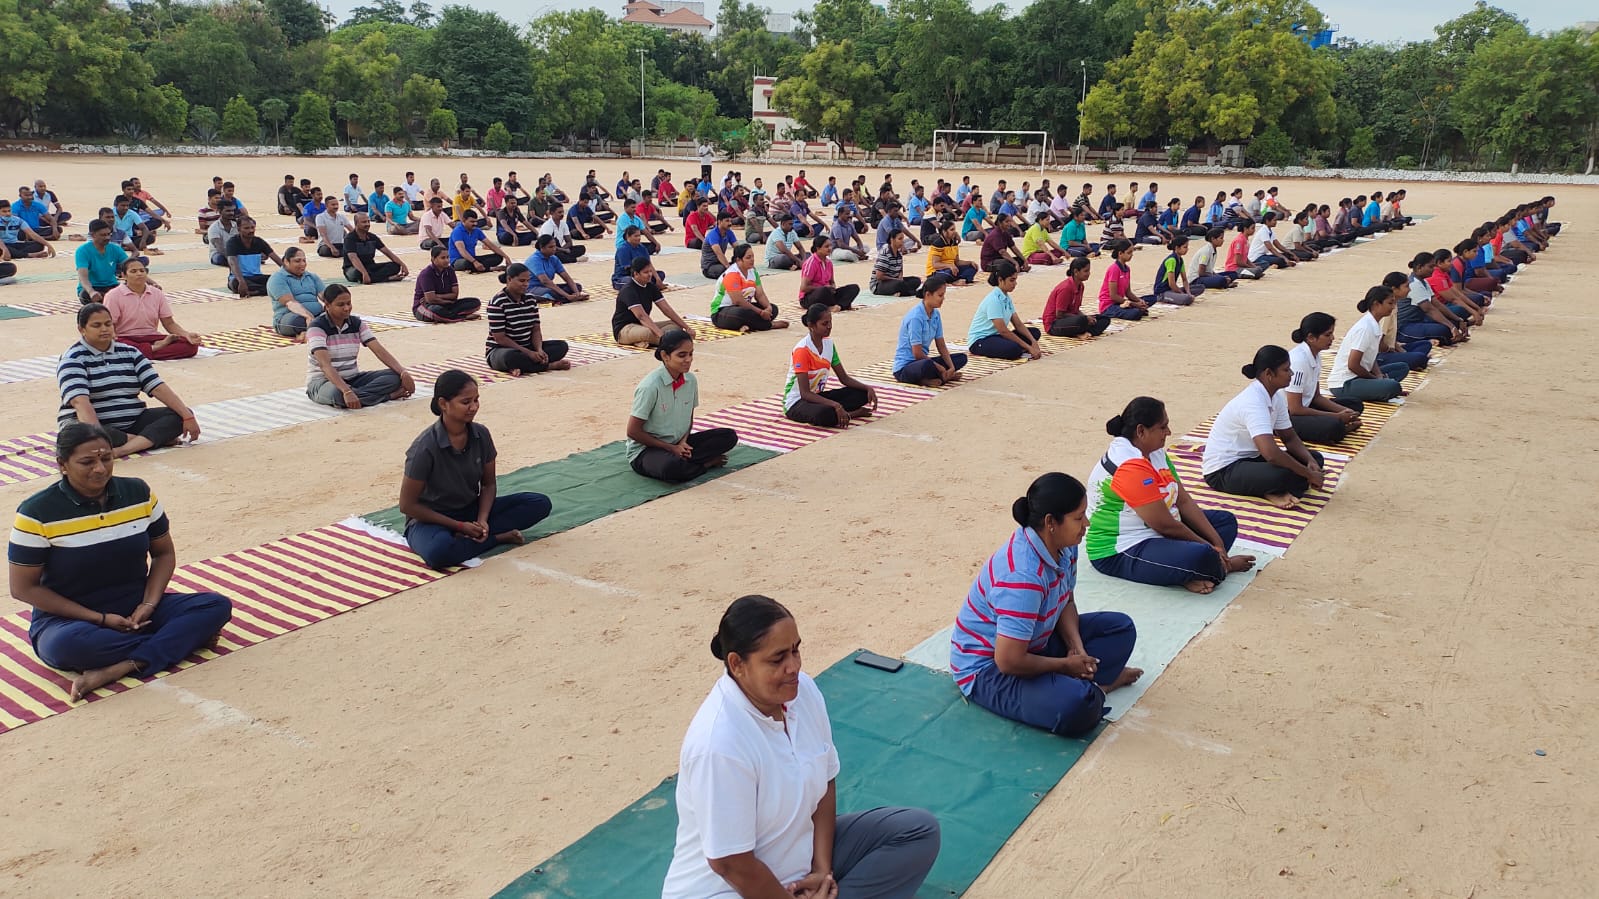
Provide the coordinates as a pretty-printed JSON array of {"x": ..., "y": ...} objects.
[{"x": 1361, "y": 722}]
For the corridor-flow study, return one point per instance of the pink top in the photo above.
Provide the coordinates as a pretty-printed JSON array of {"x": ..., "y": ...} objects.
[
  {"x": 1118, "y": 279},
  {"x": 136, "y": 315},
  {"x": 818, "y": 269}
]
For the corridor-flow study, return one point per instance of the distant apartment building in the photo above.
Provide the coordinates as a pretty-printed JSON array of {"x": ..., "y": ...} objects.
[
  {"x": 777, "y": 124},
  {"x": 672, "y": 15}
]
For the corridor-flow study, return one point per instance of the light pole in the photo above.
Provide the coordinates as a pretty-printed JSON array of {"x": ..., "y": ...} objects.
[
  {"x": 642, "y": 134},
  {"x": 1080, "y": 106}
]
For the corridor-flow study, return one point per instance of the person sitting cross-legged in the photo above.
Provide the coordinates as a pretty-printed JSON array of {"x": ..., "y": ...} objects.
[
  {"x": 334, "y": 341},
  {"x": 437, "y": 297},
  {"x": 100, "y": 381}
]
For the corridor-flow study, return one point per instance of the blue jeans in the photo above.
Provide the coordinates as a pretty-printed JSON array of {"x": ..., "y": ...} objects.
[
  {"x": 1132, "y": 313},
  {"x": 919, "y": 370},
  {"x": 1059, "y": 703},
  {"x": 1425, "y": 330},
  {"x": 1415, "y": 354},
  {"x": 1374, "y": 389},
  {"x": 1164, "y": 562},
  {"x": 995, "y": 346},
  {"x": 1269, "y": 259},
  {"x": 181, "y": 623},
  {"x": 441, "y": 547},
  {"x": 1213, "y": 282}
]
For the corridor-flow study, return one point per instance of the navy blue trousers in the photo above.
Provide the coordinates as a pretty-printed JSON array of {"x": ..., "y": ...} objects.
[
  {"x": 1164, "y": 562},
  {"x": 1059, "y": 703}
]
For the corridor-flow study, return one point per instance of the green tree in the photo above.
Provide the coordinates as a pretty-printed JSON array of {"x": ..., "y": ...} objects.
[
  {"x": 302, "y": 21},
  {"x": 419, "y": 96},
  {"x": 742, "y": 48},
  {"x": 497, "y": 138},
  {"x": 830, "y": 93},
  {"x": 494, "y": 81},
  {"x": 240, "y": 122},
  {"x": 276, "y": 112},
  {"x": 1532, "y": 99},
  {"x": 1362, "y": 152},
  {"x": 24, "y": 81},
  {"x": 312, "y": 128},
  {"x": 96, "y": 77},
  {"x": 442, "y": 126},
  {"x": 1273, "y": 147},
  {"x": 577, "y": 58},
  {"x": 166, "y": 112},
  {"x": 206, "y": 59},
  {"x": 204, "y": 124}
]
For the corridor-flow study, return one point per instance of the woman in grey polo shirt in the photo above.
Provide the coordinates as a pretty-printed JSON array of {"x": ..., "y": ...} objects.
[{"x": 452, "y": 512}]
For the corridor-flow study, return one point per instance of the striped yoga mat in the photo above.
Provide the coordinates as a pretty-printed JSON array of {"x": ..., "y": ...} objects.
[
  {"x": 71, "y": 305},
  {"x": 1258, "y": 520},
  {"x": 275, "y": 588},
  {"x": 976, "y": 367},
  {"x": 760, "y": 423},
  {"x": 28, "y": 458},
  {"x": 262, "y": 337},
  {"x": 577, "y": 354},
  {"x": 702, "y": 330},
  {"x": 31, "y": 369},
  {"x": 1371, "y": 421}
]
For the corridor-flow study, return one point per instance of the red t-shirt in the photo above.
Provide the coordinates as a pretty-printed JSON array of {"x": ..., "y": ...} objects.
[
  {"x": 698, "y": 221},
  {"x": 1065, "y": 299},
  {"x": 1238, "y": 253},
  {"x": 646, "y": 210}
]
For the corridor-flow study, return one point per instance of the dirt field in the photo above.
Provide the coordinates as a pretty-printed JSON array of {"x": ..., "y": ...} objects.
[{"x": 1361, "y": 722}]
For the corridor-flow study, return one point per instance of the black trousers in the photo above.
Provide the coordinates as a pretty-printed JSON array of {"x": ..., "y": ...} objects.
[
  {"x": 569, "y": 255},
  {"x": 1325, "y": 428},
  {"x": 380, "y": 272},
  {"x": 734, "y": 318},
  {"x": 257, "y": 284},
  {"x": 507, "y": 359},
  {"x": 1078, "y": 325},
  {"x": 809, "y": 413},
  {"x": 842, "y": 297},
  {"x": 1257, "y": 477},
  {"x": 489, "y": 260},
  {"x": 897, "y": 287},
  {"x": 706, "y": 446},
  {"x": 159, "y": 426}
]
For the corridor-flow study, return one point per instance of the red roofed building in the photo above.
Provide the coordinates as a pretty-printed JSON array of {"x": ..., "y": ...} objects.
[{"x": 672, "y": 15}]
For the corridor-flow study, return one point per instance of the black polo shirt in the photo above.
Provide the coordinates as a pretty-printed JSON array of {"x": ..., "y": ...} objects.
[{"x": 451, "y": 480}]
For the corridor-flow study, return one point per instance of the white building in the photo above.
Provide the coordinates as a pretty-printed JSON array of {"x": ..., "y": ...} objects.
[{"x": 777, "y": 124}]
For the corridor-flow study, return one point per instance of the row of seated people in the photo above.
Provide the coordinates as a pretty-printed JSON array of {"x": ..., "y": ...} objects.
[{"x": 1020, "y": 648}]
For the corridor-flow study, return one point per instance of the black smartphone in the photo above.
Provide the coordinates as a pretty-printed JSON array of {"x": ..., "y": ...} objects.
[{"x": 881, "y": 663}]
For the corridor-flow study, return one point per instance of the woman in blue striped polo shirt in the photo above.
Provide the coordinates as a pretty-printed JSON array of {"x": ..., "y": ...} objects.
[{"x": 1020, "y": 649}]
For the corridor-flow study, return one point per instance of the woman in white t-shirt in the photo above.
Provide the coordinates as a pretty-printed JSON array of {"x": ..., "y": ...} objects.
[
  {"x": 1243, "y": 455},
  {"x": 1356, "y": 374},
  {"x": 755, "y": 788},
  {"x": 1316, "y": 418},
  {"x": 1142, "y": 525}
]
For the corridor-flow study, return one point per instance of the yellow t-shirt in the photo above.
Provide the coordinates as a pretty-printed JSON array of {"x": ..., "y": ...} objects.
[
  {"x": 463, "y": 202},
  {"x": 1036, "y": 240},
  {"x": 947, "y": 255}
]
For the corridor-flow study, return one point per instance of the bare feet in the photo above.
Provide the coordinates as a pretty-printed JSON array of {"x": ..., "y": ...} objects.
[
  {"x": 1200, "y": 586},
  {"x": 510, "y": 538},
  {"x": 90, "y": 681},
  {"x": 1239, "y": 563},
  {"x": 717, "y": 462},
  {"x": 934, "y": 382},
  {"x": 1127, "y": 677},
  {"x": 862, "y": 412},
  {"x": 561, "y": 365},
  {"x": 779, "y": 324},
  {"x": 298, "y": 338},
  {"x": 1282, "y": 500}
]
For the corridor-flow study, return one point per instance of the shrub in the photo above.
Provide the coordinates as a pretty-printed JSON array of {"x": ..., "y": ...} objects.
[
  {"x": 1405, "y": 162},
  {"x": 312, "y": 127},
  {"x": 1362, "y": 152},
  {"x": 1177, "y": 155},
  {"x": 497, "y": 138},
  {"x": 442, "y": 125},
  {"x": 239, "y": 121},
  {"x": 1103, "y": 165},
  {"x": 204, "y": 124},
  {"x": 1272, "y": 148}
]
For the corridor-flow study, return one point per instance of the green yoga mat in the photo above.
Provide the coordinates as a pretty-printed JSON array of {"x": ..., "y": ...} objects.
[
  {"x": 587, "y": 486},
  {"x": 907, "y": 738},
  {"x": 13, "y": 312}
]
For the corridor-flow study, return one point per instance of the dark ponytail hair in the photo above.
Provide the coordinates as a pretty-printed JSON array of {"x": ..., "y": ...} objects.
[
  {"x": 671, "y": 340},
  {"x": 514, "y": 270},
  {"x": 1374, "y": 296},
  {"x": 813, "y": 313},
  {"x": 1420, "y": 260},
  {"x": 1077, "y": 264},
  {"x": 1312, "y": 324},
  {"x": 447, "y": 386},
  {"x": 1394, "y": 279},
  {"x": 1180, "y": 240},
  {"x": 76, "y": 433},
  {"x": 333, "y": 292},
  {"x": 1268, "y": 358},
  {"x": 745, "y": 624},
  {"x": 1141, "y": 412},
  {"x": 1000, "y": 270},
  {"x": 1053, "y": 494}
]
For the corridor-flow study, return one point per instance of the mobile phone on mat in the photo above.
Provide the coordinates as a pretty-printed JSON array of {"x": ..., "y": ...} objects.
[{"x": 881, "y": 663}]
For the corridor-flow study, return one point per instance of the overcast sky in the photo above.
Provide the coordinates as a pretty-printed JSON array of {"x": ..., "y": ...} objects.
[{"x": 1363, "y": 20}]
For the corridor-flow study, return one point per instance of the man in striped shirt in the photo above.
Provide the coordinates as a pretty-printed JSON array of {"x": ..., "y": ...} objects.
[
  {"x": 101, "y": 380},
  {"x": 93, "y": 556}
]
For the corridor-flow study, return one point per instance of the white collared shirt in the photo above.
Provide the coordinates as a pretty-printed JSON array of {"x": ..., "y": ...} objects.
[
  {"x": 1252, "y": 413},
  {"x": 749, "y": 783}
]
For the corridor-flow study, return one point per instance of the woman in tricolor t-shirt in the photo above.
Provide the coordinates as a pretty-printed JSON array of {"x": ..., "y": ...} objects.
[
  {"x": 1142, "y": 525},
  {"x": 814, "y": 358}
]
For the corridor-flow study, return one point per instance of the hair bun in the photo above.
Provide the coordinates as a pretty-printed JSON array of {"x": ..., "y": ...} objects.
[
  {"x": 433, "y": 405},
  {"x": 1020, "y": 511},
  {"x": 1249, "y": 371},
  {"x": 716, "y": 648},
  {"x": 1114, "y": 426},
  {"x": 1298, "y": 336}
]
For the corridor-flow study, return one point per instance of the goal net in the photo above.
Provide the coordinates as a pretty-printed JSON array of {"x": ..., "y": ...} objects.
[{"x": 985, "y": 145}]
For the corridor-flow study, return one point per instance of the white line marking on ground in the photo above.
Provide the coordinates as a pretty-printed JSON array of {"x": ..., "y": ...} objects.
[
  {"x": 179, "y": 471},
  {"x": 1136, "y": 720},
  {"x": 919, "y": 438},
  {"x": 215, "y": 713},
  {"x": 750, "y": 488},
  {"x": 575, "y": 580}
]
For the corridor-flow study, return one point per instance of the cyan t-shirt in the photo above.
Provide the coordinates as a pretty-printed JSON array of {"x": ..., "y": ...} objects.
[
  {"x": 917, "y": 328},
  {"x": 399, "y": 212},
  {"x": 998, "y": 305},
  {"x": 102, "y": 266}
]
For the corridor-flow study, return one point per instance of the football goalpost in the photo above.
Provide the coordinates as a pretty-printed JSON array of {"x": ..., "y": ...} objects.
[{"x": 990, "y": 149}]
